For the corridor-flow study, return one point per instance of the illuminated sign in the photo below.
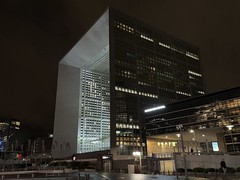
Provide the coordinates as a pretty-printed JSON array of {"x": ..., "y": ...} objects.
[{"x": 215, "y": 146}]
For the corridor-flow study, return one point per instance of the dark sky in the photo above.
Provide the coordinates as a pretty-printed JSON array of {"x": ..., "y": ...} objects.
[{"x": 36, "y": 34}]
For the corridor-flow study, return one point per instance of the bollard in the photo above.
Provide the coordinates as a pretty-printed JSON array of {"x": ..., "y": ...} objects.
[
  {"x": 32, "y": 175},
  {"x": 17, "y": 176},
  {"x": 2, "y": 176},
  {"x": 79, "y": 176},
  {"x": 87, "y": 176}
]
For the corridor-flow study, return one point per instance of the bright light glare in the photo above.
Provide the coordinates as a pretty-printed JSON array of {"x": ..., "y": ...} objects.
[
  {"x": 136, "y": 153},
  {"x": 178, "y": 135},
  {"x": 229, "y": 127},
  {"x": 155, "y": 108}
]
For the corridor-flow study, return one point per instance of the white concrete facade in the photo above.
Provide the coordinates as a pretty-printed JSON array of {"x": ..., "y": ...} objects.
[{"x": 92, "y": 47}]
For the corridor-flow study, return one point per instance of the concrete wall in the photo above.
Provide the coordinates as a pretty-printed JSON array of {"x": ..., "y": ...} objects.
[
  {"x": 208, "y": 161},
  {"x": 67, "y": 111}
]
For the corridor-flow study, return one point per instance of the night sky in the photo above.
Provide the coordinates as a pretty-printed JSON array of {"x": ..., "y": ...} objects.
[{"x": 36, "y": 34}]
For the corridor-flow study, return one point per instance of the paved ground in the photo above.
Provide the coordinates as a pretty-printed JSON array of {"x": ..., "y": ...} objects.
[
  {"x": 111, "y": 176},
  {"x": 119, "y": 176}
]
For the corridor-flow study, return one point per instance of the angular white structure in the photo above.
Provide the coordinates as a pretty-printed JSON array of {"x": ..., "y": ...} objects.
[{"x": 82, "y": 109}]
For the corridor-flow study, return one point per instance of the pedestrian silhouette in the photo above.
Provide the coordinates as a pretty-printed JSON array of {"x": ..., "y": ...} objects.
[{"x": 223, "y": 166}]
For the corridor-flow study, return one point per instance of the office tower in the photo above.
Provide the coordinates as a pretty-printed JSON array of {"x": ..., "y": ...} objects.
[{"x": 118, "y": 68}]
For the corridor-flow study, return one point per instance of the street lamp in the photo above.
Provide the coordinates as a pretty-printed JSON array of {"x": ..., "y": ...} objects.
[
  {"x": 180, "y": 128},
  {"x": 230, "y": 127},
  {"x": 137, "y": 154},
  {"x": 194, "y": 138}
]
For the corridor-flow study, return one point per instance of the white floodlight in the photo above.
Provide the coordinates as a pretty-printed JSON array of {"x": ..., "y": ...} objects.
[
  {"x": 229, "y": 127},
  {"x": 155, "y": 108},
  {"x": 178, "y": 135},
  {"x": 136, "y": 153}
]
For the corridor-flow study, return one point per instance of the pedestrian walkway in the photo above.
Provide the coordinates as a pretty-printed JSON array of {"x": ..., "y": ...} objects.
[{"x": 220, "y": 177}]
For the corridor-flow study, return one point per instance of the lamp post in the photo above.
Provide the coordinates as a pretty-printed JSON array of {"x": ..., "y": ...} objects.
[
  {"x": 230, "y": 127},
  {"x": 194, "y": 139},
  {"x": 180, "y": 128},
  {"x": 137, "y": 154}
]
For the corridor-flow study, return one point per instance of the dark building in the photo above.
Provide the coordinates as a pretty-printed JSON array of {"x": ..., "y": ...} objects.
[
  {"x": 209, "y": 123},
  {"x": 120, "y": 67}
]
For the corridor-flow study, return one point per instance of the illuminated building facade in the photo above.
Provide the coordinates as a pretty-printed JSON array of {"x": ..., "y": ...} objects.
[
  {"x": 130, "y": 66},
  {"x": 7, "y": 129},
  {"x": 95, "y": 112},
  {"x": 210, "y": 123}
]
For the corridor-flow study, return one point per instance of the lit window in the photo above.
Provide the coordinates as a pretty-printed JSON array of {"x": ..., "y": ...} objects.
[
  {"x": 200, "y": 92},
  {"x": 194, "y": 73},
  {"x": 191, "y": 55},
  {"x": 164, "y": 45},
  {"x": 146, "y": 38},
  {"x": 183, "y": 93}
]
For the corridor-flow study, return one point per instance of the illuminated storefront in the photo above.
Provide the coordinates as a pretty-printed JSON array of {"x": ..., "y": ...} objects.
[{"x": 210, "y": 124}]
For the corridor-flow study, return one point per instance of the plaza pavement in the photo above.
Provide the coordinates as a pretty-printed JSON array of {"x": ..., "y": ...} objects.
[{"x": 105, "y": 176}]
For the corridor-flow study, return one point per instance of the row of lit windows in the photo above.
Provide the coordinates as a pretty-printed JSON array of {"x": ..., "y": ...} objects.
[
  {"x": 127, "y": 143},
  {"x": 183, "y": 93},
  {"x": 165, "y": 62},
  {"x": 143, "y": 83},
  {"x": 143, "y": 66},
  {"x": 127, "y": 139},
  {"x": 200, "y": 92},
  {"x": 124, "y": 27},
  {"x": 146, "y": 37},
  {"x": 166, "y": 89},
  {"x": 127, "y": 126},
  {"x": 129, "y": 29},
  {"x": 96, "y": 77},
  {"x": 177, "y": 50},
  {"x": 228, "y": 104},
  {"x": 125, "y": 90},
  {"x": 127, "y": 75},
  {"x": 194, "y": 73},
  {"x": 194, "y": 56},
  {"x": 135, "y": 92},
  {"x": 189, "y": 54},
  {"x": 166, "y": 74},
  {"x": 164, "y": 45}
]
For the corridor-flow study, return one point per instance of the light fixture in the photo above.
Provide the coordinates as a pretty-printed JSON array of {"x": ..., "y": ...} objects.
[
  {"x": 136, "y": 153},
  {"x": 178, "y": 135},
  {"x": 154, "y": 109},
  {"x": 229, "y": 127},
  {"x": 191, "y": 131}
]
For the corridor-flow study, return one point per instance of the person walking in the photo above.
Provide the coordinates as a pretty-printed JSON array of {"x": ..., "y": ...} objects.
[{"x": 223, "y": 166}]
